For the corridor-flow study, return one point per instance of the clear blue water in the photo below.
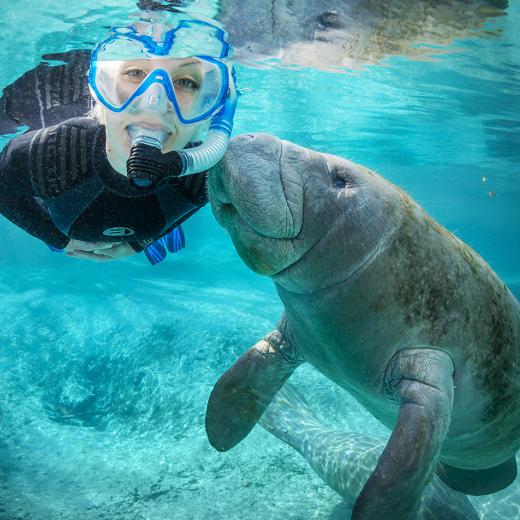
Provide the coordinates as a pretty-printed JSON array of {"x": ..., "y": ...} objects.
[{"x": 106, "y": 368}]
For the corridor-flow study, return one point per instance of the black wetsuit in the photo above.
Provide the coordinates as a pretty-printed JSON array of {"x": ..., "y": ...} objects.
[
  {"x": 56, "y": 183},
  {"x": 47, "y": 94}
]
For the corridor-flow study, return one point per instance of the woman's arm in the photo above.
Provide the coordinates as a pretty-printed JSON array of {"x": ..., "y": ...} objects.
[
  {"x": 18, "y": 201},
  {"x": 29, "y": 215}
]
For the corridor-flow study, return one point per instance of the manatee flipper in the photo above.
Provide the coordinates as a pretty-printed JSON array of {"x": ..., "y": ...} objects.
[
  {"x": 479, "y": 482},
  {"x": 421, "y": 380},
  {"x": 345, "y": 460},
  {"x": 243, "y": 393}
]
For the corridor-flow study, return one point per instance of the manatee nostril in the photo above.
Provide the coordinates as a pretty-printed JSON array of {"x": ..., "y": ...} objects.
[{"x": 331, "y": 20}]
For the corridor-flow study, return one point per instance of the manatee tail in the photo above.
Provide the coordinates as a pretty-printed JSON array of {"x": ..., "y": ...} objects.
[
  {"x": 288, "y": 416},
  {"x": 345, "y": 460}
]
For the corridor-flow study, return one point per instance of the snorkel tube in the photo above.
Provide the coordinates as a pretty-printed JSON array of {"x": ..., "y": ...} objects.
[{"x": 147, "y": 166}]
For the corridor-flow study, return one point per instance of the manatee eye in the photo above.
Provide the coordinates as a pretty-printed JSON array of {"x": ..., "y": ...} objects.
[
  {"x": 341, "y": 178},
  {"x": 331, "y": 20}
]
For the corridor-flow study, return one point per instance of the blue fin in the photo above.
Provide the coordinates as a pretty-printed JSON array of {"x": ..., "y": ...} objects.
[
  {"x": 173, "y": 241},
  {"x": 155, "y": 252},
  {"x": 54, "y": 249}
]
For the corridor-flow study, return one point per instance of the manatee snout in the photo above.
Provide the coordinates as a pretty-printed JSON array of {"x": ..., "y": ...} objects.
[{"x": 252, "y": 183}]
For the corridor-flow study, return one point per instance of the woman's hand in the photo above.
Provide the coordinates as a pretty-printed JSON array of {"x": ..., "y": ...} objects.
[{"x": 98, "y": 251}]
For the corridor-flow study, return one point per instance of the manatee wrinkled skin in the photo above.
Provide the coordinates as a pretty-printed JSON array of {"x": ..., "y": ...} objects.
[{"x": 386, "y": 303}]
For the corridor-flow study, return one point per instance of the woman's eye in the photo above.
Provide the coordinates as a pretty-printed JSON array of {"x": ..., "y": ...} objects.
[
  {"x": 185, "y": 84},
  {"x": 135, "y": 73}
]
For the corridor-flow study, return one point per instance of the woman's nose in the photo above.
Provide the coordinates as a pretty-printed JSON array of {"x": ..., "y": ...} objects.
[{"x": 155, "y": 100}]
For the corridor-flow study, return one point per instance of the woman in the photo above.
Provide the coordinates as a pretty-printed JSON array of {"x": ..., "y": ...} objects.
[{"x": 122, "y": 180}]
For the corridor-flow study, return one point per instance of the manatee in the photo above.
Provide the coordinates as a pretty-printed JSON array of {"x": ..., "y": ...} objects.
[
  {"x": 345, "y": 460},
  {"x": 383, "y": 301}
]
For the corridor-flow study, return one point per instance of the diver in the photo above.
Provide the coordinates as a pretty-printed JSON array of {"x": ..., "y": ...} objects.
[{"x": 123, "y": 179}]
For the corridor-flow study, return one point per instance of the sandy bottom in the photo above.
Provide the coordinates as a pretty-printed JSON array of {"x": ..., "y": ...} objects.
[{"x": 104, "y": 382}]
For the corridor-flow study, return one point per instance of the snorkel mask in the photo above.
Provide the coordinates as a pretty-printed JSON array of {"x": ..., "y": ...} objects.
[{"x": 153, "y": 67}]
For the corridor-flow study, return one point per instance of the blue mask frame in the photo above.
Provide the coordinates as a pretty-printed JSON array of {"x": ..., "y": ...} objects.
[{"x": 161, "y": 76}]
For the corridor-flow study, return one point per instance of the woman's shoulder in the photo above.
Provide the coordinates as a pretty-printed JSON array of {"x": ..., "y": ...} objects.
[
  {"x": 64, "y": 156},
  {"x": 82, "y": 125}
]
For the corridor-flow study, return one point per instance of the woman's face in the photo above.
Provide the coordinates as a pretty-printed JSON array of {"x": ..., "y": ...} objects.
[{"x": 152, "y": 109}]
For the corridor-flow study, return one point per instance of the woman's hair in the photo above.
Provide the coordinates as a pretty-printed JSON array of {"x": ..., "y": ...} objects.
[{"x": 97, "y": 113}]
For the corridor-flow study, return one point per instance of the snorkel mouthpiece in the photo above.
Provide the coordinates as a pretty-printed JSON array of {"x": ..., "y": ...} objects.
[{"x": 147, "y": 166}]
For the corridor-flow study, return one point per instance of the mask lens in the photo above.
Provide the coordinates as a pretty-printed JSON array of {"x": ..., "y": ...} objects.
[
  {"x": 195, "y": 87},
  {"x": 198, "y": 87}
]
